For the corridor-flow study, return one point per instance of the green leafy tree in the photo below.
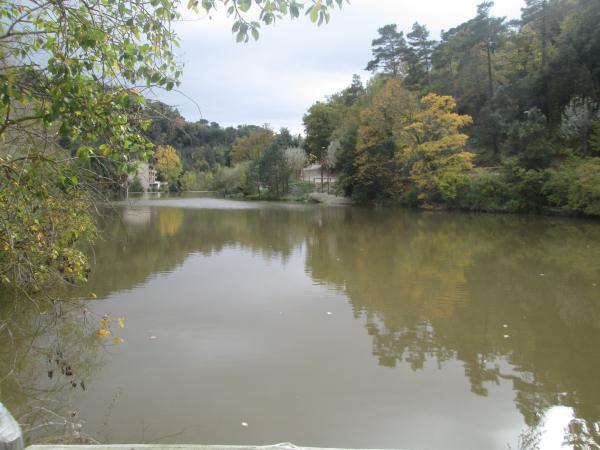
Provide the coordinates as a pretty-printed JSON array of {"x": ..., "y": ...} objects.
[
  {"x": 189, "y": 181},
  {"x": 273, "y": 170},
  {"x": 251, "y": 146},
  {"x": 529, "y": 140},
  {"x": 319, "y": 123}
]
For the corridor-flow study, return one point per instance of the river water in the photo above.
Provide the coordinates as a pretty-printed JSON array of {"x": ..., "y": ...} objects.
[{"x": 257, "y": 323}]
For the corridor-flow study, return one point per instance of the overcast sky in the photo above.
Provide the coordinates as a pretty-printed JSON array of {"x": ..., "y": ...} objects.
[{"x": 294, "y": 63}]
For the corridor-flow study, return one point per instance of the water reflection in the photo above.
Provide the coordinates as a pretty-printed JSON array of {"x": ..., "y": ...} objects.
[
  {"x": 512, "y": 299},
  {"x": 48, "y": 352}
]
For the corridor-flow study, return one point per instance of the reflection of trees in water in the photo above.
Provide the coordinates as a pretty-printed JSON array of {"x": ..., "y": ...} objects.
[
  {"x": 480, "y": 289},
  {"x": 431, "y": 287},
  {"x": 48, "y": 353}
]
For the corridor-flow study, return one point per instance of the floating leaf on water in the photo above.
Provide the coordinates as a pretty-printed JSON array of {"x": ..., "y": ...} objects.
[
  {"x": 118, "y": 340},
  {"x": 103, "y": 332},
  {"x": 121, "y": 321},
  {"x": 103, "y": 323},
  {"x": 93, "y": 295}
]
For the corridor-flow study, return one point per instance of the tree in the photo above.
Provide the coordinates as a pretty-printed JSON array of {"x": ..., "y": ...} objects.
[
  {"x": 578, "y": 121},
  {"x": 528, "y": 140},
  {"x": 389, "y": 52},
  {"x": 251, "y": 146},
  {"x": 168, "y": 163},
  {"x": 273, "y": 170},
  {"x": 296, "y": 160},
  {"x": 535, "y": 13},
  {"x": 319, "y": 123},
  {"x": 489, "y": 31},
  {"x": 353, "y": 92},
  {"x": 333, "y": 154},
  {"x": 595, "y": 137},
  {"x": 189, "y": 181},
  {"x": 419, "y": 53},
  {"x": 433, "y": 147},
  {"x": 378, "y": 175}
]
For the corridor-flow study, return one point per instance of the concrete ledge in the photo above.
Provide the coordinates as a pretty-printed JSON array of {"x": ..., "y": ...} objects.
[{"x": 283, "y": 446}]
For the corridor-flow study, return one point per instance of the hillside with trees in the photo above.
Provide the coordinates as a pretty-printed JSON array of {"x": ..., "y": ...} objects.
[{"x": 497, "y": 115}]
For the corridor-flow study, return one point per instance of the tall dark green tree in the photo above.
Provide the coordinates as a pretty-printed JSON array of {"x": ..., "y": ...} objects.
[
  {"x": 419, "y": 53},
  {"x": 389, "y": 52}
]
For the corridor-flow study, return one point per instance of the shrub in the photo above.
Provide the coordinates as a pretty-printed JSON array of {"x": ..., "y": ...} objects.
[
  {"x": 136, "y": 185},
  {"x": 575, "y": 187},
  {"x": 231, "y": 180},
  {"x": 510, "y": 189},
  {"x": 487, "y": 191}
]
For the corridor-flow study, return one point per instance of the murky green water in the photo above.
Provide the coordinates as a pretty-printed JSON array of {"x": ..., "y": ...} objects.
[{"x": 321, "y": 326}]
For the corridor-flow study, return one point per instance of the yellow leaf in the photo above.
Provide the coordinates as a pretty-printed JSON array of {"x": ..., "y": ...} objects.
[
  {"x": 121, "y": 321},
  {"x": 103, "y": 332},
  {"x": 103, "y": 323},
  {"x": 93, "y": 295},
  {"x": 118, "y": 340}
]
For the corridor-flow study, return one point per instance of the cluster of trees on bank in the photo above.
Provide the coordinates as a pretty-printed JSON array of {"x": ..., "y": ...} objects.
[
  {"x": 498, "y": 115},
  {"x": 248, "y": 160}
]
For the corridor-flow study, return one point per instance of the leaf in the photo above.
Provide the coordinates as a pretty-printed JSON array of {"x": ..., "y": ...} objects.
[
  {"x": 118, "y": 340},
  {"x": 103, "y": 332},
  {"x": 314, "y": 13},
  {"x": 121, "y": 321}
]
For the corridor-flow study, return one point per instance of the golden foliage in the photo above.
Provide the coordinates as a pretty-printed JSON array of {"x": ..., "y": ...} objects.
[
  {"x": 441, "y": 165},
  {"x": 168, "y": 163}
]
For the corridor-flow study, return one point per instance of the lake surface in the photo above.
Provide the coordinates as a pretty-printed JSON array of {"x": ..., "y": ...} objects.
[{"x": 322, "y": 326}]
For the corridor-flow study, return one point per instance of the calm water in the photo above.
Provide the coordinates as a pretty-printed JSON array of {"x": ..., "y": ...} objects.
[{"x": 343, "y": 327}]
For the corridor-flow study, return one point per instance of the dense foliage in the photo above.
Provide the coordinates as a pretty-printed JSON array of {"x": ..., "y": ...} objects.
[{"x": 531, "y": 87}]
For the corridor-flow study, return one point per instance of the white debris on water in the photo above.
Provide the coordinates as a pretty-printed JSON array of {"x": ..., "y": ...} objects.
[
  {"x": 329, "y": 313},
  {"x": 244, "y": 424},
  {"x": 506, "y": 336},
  {"x": 152, "y": 337}
]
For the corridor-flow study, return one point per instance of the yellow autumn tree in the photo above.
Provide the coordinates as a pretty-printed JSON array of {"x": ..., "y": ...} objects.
[
  {"x": 433, "y": 146},
  {"x": 168, "y": 163}
]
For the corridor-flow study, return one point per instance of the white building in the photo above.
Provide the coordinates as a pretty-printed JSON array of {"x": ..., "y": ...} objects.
[
  {"x": 312, "y": 174},
  {"x": 147, "y": 177}
]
